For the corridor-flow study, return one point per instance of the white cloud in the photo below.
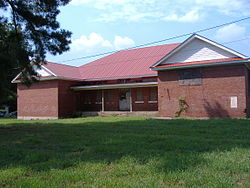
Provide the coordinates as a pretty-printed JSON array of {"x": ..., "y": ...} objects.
[
  {"x": 240, "y": 7},
  {"x": 95, "y": 42},
  {"x": 88, "y": 43},
  {"x": 123, "y": 42},
  {"x": 230, "y": 32},
  {"x": 191, "y": 16},
  {"x": 168, "y": 10},
  {"x": 78, "y": 2}
]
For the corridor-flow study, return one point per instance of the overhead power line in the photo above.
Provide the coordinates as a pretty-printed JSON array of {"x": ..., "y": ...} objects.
[{"x": 163, "y": 40}]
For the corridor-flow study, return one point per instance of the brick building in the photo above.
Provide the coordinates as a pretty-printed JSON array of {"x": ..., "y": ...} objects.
[{"x": 212, "y": 80}]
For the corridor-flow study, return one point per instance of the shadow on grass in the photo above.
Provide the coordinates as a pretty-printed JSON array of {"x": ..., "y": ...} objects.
[{"x": 176, "y": 145}]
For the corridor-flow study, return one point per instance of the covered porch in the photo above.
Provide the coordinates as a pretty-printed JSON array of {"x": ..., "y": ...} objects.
[{"x": 115, "y": 98}]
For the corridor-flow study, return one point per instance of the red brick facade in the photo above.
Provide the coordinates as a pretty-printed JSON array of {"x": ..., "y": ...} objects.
[
  {"x": 210, "y": 99},
  {"x": 146, "y": 104},
  {"x": 54, "y": 99},
  {"x": 38, "y": 101},
  {"x": 67, "y": 98},
  {"x": 46, "y": 99},
  {"x": 248, "y": 92}
]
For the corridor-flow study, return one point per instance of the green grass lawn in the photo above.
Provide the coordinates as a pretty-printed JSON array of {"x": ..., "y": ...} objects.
[{"x": 125, "y": 152}]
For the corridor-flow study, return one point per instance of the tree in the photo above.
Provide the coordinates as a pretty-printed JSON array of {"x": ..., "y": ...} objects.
[{"x": 28, "y": 30}]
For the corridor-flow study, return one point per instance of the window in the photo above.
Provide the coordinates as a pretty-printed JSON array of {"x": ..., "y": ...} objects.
[
  {"x": 110, "y": 95},
  {"x": 99, "y": 97},
  {"x": 139, "y": 96},
  {"x": 233, "y": 101},
  {"x": 153, "y": 95},
  {"x": 87, "y": 99},
  {"x": 190, "y": 77}
]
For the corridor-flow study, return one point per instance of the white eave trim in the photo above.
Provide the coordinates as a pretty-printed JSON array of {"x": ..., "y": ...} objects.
[
  {"x": 203, "y": 39},
  {"x": 114, "y": 86},
  {"x": 48, "y": 70},
  {"x": 245, "y": 61},
  {"x": 14, "y": 80}
]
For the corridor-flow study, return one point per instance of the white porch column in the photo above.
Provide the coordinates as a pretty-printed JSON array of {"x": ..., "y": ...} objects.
[{"x": 102, "y": 100}]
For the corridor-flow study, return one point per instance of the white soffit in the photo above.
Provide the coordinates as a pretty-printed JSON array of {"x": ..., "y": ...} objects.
[{"x": 198, "y": 48}]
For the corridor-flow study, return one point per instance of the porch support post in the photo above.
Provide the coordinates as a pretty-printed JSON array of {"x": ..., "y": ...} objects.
[
  {"x": 102, "y": 100},
  {"x": 131, "y": 106}
]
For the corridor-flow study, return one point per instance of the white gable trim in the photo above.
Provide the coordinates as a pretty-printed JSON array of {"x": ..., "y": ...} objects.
[
  {"x": 48, "y": 70},
  {"x": 196, "y": 36},
  {"x": 14, "y": 80},
  {"x": 42, "y": 67}
]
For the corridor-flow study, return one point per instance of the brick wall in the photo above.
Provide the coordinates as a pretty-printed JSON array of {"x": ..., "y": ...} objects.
[
  {"x": 248, "y": 91},
  {"x": 89, "y": 104},
  {"x": 38, "y": 101},
  {"x": 67, "y": 102},
  {"x": 146, "y": 105},
  {"x": 46, "y": 99},
  {"x": 210, "y": 99},
  {"x": 114, "y": 104}
]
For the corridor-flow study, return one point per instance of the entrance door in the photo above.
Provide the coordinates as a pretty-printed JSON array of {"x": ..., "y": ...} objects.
[{"x": 124, "y": 101}]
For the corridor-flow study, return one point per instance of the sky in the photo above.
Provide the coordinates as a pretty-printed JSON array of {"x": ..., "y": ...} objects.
[{"x": 100, "y": 26}]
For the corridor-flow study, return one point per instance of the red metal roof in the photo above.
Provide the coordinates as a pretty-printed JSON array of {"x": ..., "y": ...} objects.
[
  {"x": 126, "y": 63},
  {"x": 65, "y": 71},
  {"x": 198, "y": 62}
]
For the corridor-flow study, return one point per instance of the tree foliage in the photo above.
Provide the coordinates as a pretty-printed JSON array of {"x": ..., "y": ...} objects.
[{"x": 28, "y": 31}]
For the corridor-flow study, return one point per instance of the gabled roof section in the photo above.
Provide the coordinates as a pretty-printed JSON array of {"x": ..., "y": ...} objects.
[
  {"x": 51, "y": 70},
  {"x": 126, "y": 64},
  {"x": 132, "y": 63},
  {"x": 63, "y": 71},
  {"x": 43, "y": 72},
  {"x": 198, "y": 48}
]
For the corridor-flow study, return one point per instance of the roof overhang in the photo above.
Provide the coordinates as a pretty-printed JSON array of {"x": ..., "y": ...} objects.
[
  {"x": 245, "y": 61},
  {"x": 115, "y": 86},
  {"x": 16, "y": 80}
]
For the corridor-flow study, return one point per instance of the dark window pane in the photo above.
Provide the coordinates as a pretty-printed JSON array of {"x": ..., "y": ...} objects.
[
  {"x": 190, "y": 77},
  {"x": 99, "y": 96},
  {"x": 139, "y": 96},
  {"x": 153, "y": 94},
  {"x": 110, "y": 96}
]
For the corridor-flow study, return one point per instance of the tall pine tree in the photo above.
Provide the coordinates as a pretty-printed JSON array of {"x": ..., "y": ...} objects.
[{"x": 28, "y": 30}]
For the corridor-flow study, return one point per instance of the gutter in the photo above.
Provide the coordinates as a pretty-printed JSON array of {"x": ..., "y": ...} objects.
[
  {"x": 245, "y": 61},
  {"x": 51, "y": 78},
  {"x": 81, "y": 80},
  {"x": 113, "y": 86}
]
